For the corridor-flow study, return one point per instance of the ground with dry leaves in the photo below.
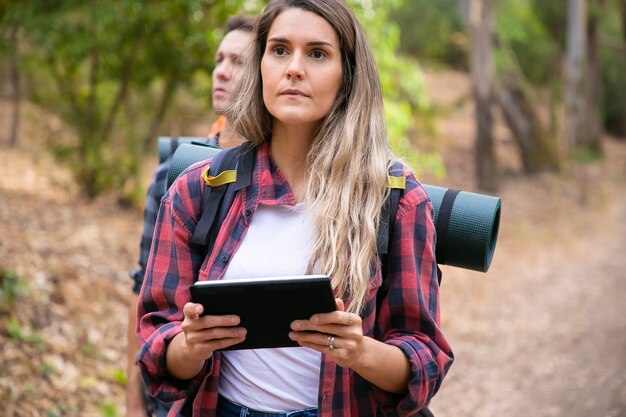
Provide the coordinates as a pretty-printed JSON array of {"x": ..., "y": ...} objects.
[{"x": 543, "y": 333}]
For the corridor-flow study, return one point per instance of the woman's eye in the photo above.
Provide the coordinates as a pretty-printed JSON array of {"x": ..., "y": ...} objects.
[
  {"x": 317, "y": 54},
  {"x": 280, "y": 51}
]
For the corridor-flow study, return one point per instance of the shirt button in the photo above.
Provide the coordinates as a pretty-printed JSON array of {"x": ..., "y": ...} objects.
[
  {"x": 248, "y": 213},
  {"x": 225, "y": 258}
]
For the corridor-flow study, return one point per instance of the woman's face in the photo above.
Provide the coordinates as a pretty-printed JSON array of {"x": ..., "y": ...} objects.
[{"x": 301, "y": 67}]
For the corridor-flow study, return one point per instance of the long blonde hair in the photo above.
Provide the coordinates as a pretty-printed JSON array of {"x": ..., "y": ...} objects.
[{"x": 349, "y": 157}]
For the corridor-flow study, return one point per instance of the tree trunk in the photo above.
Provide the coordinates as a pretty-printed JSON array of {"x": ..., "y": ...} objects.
[
  {"x": 122, "y": 92},
  {"x": 15, "y": 81},
  {"x": 166, "y": 97},
  {"x": 594, "y": 81},
  {"x": 575, "y": 76},
  {"x": 482, "y": 67},
  {"x": 538, "y": 150}
]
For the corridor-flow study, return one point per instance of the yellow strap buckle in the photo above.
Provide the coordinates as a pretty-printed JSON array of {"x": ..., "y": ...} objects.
[
  {"x": 222, "y": 178},
  {"x": 396, "y": 182}
]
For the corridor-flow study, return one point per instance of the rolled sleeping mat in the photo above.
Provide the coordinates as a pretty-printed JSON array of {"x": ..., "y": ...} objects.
[
  {"x": 168, "y": 144},
  {"x": 467, "y": 227},
  {"x": 467, "y": 223},
  {"x": 187, "y": 154}
]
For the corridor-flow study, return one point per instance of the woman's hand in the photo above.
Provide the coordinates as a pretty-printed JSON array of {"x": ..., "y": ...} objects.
[
  {"x": 205, "y": 334},
  {"x": 338, "y": 334},
  {"x": 201, "y": 336}
]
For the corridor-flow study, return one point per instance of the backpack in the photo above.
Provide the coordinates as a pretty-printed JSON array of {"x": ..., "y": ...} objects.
[{"x": 231, "y": 170}]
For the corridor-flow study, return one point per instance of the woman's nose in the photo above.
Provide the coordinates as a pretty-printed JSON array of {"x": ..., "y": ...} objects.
[{"x": 295, "y": 68}]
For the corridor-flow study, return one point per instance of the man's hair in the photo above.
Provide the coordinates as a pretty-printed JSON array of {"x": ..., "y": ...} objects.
[
  {"x": 241, "y": 22},
  {"x": 349, "y": 157}
]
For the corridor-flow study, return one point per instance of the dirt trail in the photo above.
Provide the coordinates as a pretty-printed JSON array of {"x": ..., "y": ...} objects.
[{"x": 543, "y": 333}]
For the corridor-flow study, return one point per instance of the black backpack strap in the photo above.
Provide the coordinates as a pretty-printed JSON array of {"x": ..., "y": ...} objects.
[
  {"x": 224, "y": 160},
  {"x": 388, "y": 217},
  {"x": 396, "y": 183},
  {"x": 223, "y": 182},
  {"x": 245, "y": 162}
]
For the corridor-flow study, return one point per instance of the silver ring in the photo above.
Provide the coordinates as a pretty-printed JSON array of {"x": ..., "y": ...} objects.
[
  {"x": 330, "y": 341},
  {"x": 349, "y": 319}
]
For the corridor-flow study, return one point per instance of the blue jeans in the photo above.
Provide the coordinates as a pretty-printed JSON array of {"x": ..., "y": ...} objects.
[
  {"x": 226, "y": 408},
  {"x": 154, "y": 407}
]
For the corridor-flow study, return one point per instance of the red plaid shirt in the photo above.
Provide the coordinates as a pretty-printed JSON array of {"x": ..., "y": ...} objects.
[{"x": 407, "y": 316}]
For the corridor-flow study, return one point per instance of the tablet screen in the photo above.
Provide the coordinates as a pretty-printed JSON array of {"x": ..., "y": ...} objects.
[{"x": 266, "y": 306}]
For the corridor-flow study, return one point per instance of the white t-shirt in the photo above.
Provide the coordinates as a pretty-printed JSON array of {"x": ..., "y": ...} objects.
[{"x": 278, "y": 242}]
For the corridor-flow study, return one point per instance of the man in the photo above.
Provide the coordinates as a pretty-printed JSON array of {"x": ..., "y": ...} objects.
[{"x": 225, "y": 76}]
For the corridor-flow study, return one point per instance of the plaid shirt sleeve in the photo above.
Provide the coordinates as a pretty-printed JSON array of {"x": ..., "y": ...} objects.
[
  {"x": 155, "y": 193},
  {"x": 172, "y": 266},
  {"x": 409, "y": 316}
]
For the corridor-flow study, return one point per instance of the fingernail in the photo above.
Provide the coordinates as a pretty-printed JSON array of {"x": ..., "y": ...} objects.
[{"x": 293, "y": 336}]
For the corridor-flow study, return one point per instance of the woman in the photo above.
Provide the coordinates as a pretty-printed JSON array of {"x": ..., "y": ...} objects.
[{"x": 310, "y": 103}]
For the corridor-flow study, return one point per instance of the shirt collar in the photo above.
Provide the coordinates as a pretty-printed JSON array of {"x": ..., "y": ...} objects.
[{"x": 268, "y": 185}]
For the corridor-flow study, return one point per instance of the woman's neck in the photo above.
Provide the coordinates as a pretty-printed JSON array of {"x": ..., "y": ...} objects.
[
  {"x": 229, "y": 138},
  {"x": 290, "y": 146}
]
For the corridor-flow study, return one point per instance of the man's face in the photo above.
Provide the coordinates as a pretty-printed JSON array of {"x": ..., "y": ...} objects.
[{"x": 228, "y": 66}]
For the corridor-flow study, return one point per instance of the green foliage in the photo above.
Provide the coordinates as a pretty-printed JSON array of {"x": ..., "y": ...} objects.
[
  {"x": 404, "y": 87},
  {"x": 431, "y": 30},
  {"x": 586, "y": 155},
  {"x": 47, "y": 370},
  {"x": 11, "y": 287},
  {"x": 87, "y": 382},
  {"x": 119, "y": 376},
  {"x": 108, "y": 409},
  {"x": 521, "y": 31},
  {"x": 21, "y": 332},
  {"x": 613, "y": 74},
  {"x": 91, "y": 62},
  {"x": 89, "y": 349},
  {"x": 106, "y": 67}
]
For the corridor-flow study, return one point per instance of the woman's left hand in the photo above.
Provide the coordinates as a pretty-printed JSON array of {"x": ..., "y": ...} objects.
[{"x": 338, "y": 334}]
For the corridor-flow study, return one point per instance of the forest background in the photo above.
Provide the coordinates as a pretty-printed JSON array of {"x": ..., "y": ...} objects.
[{"x": 520, "y": 98}]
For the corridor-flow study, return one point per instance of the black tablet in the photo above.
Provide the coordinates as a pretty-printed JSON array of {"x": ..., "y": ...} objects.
[{"x": 266, "y": 306}]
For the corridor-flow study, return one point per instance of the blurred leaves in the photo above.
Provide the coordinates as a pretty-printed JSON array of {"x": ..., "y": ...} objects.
[
  {"x": 106, "y": 67},
  {"x": 403, "y": 83},
  {"x": 11, "y": 287}
]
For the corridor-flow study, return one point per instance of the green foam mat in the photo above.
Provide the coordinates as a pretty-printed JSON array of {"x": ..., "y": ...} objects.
[
  {"x": 473, "y": 228},
  {"x": 166, "y": 145},
  {"x": 185, "y": 155}
]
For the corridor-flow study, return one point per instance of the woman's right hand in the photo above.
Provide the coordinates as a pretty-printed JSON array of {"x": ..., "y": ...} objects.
[{"x": 206, "y": 334}]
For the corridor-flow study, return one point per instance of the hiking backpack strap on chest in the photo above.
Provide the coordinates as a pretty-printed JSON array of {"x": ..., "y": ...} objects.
[
  {"x": 397, "y": 183},
  {"x": 229, "y": 172}
]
